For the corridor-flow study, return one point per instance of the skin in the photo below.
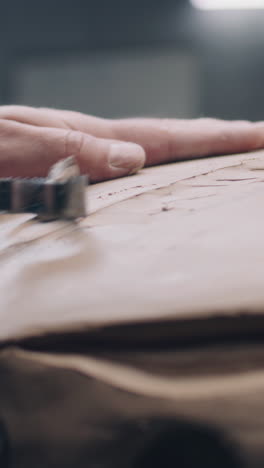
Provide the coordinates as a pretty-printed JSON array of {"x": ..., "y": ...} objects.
[{"x": 32, "y": 139}]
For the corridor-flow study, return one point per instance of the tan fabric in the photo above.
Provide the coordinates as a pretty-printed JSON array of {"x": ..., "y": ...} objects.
[{"x": 140, "y": 311}]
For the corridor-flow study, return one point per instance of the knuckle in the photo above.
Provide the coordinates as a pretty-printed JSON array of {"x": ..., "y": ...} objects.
[
  {"x": 168, "y": 144},
  {"x": 74, "y": 143},
  {"x": 5, "y": 127},
  {"x": 225, "y": 136},
  {"x": 166, "y": 125}
]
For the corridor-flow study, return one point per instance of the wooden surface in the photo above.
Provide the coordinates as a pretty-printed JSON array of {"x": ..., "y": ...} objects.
[
  {"x": 182, "y": 243},
  {"x": 175, "y": 252}
]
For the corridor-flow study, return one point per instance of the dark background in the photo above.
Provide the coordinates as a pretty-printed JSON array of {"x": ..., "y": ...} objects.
[{"x": 135, "y": 57}]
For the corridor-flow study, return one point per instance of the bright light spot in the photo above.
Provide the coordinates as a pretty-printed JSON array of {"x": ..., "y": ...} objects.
[{"x": 228, "y": 4}]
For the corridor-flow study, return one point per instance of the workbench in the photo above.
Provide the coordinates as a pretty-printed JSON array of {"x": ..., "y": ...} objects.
[{"x": 154, "y": 303}]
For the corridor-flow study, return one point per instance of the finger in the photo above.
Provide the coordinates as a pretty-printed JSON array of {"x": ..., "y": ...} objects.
[
  {"x": 28, "y": 151},
  {"x": 43, "y": 117},
  {"x": 163, "y": 140},
  {"x": 170, "y": 140}
]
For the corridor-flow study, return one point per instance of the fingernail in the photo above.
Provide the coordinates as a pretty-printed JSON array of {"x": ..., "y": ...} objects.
[{"x": 126, "y": 156}]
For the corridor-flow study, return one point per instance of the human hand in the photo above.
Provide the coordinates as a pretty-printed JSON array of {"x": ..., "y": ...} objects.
[{"x": 32, "y": 140}]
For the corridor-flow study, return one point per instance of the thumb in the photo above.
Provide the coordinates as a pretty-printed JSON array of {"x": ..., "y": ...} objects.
[{"x": 29, "y": 151}]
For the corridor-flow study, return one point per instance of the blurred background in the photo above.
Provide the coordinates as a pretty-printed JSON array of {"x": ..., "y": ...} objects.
[{"x": 119, "y": 58}]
